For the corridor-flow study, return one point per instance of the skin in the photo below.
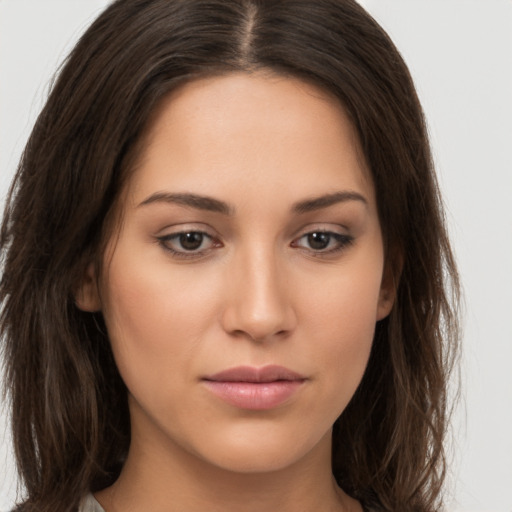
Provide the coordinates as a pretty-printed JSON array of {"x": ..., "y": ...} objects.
[{"x": 255, "y": 292}]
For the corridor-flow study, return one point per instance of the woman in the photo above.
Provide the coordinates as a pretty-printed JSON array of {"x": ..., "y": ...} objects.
[{"x": 227, "y": 276}]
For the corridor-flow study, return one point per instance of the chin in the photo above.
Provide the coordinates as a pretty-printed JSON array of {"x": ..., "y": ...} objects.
[
  {"x": 266, "y": 452},
  {"x": 256, "y": 461}
]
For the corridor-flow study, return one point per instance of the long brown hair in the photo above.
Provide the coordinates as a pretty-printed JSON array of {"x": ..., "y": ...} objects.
[{"x": 69, "y": 407}]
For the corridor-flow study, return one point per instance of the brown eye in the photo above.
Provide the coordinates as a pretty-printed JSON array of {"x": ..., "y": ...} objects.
[
  {"x": 319, "y": 241},
  {"x": 188, "y": 243},
  {"x": 323, "y": 242},
  {"x": 191, "y": 241}
]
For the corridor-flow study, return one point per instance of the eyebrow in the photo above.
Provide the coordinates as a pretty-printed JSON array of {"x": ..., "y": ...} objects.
[
  {"x": 215, "y": 205},
  {"x": 191, "y": 200},
  {"x": 324, "y": 201}
]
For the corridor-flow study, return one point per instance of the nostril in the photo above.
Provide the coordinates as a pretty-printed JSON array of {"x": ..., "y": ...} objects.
[
  {"x": 260, "y": 333},
  {"x": 258, "y": 305}
]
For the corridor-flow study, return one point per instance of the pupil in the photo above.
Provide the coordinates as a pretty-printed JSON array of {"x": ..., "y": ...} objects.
[
  {"x": 319, "y": 240},
  {"x": 191, "y": 241}
]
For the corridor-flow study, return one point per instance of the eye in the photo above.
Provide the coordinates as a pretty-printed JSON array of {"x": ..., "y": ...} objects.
[
  {"x": 187, "y": 243},
  {"x": 323, "y": 241}
]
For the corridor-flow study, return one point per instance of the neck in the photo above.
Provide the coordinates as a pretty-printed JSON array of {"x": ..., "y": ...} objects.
[{"x": 174, "y": 480}]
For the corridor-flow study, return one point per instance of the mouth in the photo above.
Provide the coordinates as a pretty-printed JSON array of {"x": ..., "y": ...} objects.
[
  {"x": 271, "y": 373},
  {"x": 252, "y": 388}
]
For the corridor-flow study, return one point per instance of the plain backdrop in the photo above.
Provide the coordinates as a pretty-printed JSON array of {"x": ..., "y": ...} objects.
[{"x": 460, "y": 55}]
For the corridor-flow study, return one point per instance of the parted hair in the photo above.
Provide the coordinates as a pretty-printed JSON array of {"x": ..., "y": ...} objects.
[{"x": 71, "y": 428}]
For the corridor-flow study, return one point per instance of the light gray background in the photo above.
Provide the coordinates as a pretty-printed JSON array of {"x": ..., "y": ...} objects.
[{"x": 460, "y": 55}]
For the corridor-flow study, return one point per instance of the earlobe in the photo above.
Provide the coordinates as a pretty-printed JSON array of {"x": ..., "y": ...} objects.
[
  {"x": 389, "y": 286},
  {"x": 87, "y": 297},
  {"x": 386, "y": 301}
]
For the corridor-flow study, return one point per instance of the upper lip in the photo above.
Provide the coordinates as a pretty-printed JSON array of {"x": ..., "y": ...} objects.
[{"x": 270, "y": 373}]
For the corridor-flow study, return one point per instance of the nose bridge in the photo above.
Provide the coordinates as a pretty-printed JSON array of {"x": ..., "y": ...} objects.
[{"x": 259, "y": 305}]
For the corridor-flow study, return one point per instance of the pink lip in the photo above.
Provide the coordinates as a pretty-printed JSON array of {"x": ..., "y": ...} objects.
[{"x": 255, "y": 388}]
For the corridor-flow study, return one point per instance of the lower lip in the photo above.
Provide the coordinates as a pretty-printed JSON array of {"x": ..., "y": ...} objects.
[{"x": 254, "y": 395}]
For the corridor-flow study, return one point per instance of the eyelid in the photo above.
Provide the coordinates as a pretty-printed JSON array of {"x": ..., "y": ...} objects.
[
  {"x": 344, "y": 240},
  {"x": 319, "y": 227},
  {"x": 186, "y": 227},
  {"x": 168, "y": 234}
]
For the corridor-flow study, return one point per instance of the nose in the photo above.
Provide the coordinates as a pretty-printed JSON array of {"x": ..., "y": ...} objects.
[{"x": 258, "y": 305}]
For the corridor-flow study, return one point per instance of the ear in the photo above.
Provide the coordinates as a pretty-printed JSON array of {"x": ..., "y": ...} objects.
[
  {"x": 389, "y": 284},
  {"x": 87, "y": 297}
]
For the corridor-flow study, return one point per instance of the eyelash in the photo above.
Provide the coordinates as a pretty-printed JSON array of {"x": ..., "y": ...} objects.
[
  {"x": 342, "y": 242},
  {"x": 184, "y": 254}
]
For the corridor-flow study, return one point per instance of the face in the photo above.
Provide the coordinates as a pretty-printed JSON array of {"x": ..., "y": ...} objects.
[{"x": 243, "y": 287}]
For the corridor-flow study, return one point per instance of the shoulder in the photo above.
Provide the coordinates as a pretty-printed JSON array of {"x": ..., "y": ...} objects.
[{"x": 89, "y": 504}]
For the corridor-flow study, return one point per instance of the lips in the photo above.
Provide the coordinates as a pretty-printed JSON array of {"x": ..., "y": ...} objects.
[
  {"x": 252, "y": 388},
  {"x": 270, "y": 373}
]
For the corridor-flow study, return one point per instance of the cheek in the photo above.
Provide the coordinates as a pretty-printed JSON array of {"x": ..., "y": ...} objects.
[
  {"x": 344, "y": 302},
  {"x": 152, "y": 317},
  {"x": 342, "y": 318}
]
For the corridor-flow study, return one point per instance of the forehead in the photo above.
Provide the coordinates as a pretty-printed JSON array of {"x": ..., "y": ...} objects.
[{"x": 242, "y": 128}]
